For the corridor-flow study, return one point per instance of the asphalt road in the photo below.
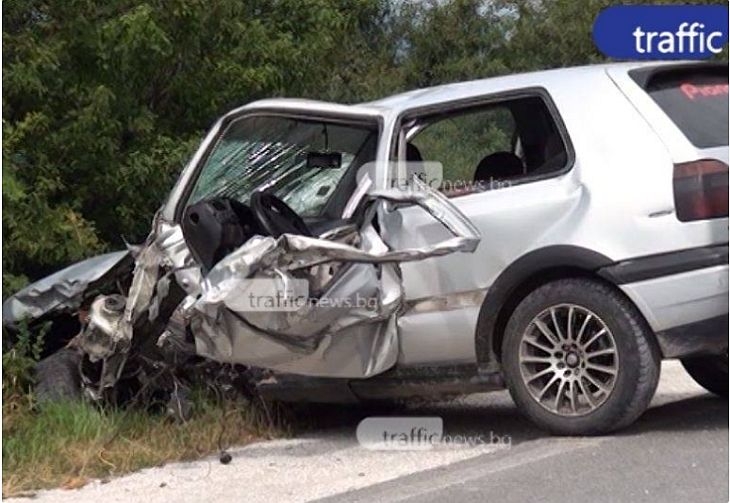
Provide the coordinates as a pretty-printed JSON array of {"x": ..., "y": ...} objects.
[{"x": 677, "y": 451}]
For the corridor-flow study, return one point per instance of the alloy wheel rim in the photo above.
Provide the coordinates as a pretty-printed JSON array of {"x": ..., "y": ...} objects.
[{"x": 568, "y": 360}]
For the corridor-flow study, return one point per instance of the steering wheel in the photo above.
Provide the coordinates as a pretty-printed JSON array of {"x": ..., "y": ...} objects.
[{"x": 276, "y": 217}]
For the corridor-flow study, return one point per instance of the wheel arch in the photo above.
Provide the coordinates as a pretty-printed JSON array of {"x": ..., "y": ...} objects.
[{"x": 522, "y": 276}]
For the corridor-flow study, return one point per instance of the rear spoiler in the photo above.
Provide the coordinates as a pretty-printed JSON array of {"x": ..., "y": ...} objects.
[{"x": 644, "y": 75}]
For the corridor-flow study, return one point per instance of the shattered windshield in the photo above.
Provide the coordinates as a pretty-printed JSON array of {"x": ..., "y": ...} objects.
[{"x": 270, "y": 153}]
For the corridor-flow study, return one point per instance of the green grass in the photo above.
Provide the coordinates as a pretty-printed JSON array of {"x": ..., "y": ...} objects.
[{"x": 65, "y": 444}]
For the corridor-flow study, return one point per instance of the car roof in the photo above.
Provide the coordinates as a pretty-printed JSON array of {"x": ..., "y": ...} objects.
[
  {"x": 563, "y": 77},
  {"x": 559, "y": 77}
]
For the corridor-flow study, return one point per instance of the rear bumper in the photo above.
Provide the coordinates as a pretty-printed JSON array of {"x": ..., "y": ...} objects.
[{"x": 684, "y": 301}]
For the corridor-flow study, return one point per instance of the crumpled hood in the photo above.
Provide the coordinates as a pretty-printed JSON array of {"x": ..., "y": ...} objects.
[{"x": 66, "y": 289}]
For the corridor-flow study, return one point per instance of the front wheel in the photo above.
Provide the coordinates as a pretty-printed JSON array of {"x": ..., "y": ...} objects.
[
  {"x": 710, "y": 372},
  {"x": 579, "y": 359},
  {"x": 57, "y": 376}
]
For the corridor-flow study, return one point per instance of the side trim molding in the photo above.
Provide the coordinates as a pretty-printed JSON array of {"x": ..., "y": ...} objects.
[{"x": 665, "y": 264}]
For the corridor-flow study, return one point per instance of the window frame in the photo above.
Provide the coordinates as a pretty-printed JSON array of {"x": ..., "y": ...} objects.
[{"x": 462, "y": 105}]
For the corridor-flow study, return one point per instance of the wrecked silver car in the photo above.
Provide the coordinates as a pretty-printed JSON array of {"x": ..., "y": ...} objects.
[
  {"x": 253, "y": 283},
  {"x": 442, "y": 241}
]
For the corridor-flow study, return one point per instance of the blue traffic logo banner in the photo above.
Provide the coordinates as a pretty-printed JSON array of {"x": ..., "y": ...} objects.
[{"x": 661, "y": 31}]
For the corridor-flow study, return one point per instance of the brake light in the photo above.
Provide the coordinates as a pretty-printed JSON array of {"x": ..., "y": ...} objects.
[{"x": 701, "y": 189}]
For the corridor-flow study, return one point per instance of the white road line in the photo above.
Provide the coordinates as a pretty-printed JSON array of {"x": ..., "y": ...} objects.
[{"x": 535, "y": 451}]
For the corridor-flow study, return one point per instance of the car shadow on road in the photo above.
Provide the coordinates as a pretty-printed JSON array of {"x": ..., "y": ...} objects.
[
  {"x": 496, "y": 414},
  {"x": 703, "y": 412}
]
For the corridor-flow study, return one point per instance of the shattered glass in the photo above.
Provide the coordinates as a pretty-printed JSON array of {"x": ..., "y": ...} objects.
[{"x": 269, "y": 153}]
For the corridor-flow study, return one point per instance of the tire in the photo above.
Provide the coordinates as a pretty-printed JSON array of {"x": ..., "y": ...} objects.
[
  {"x": 57, "y": 376},
  {"x": 608, "y": 342},
  {"x": 710, "y": 372}
]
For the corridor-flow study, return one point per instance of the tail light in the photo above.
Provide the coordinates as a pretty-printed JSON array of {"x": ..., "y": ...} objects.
[{"x": 701, "y": 190}]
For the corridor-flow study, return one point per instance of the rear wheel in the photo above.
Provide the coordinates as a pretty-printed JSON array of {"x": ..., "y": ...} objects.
[
  {"x": 710, "y": 372},
  {"x": 579, "y": 359}
]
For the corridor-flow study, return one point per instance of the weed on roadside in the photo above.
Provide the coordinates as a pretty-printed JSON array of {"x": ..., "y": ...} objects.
[{"x": 53, "y": 444}]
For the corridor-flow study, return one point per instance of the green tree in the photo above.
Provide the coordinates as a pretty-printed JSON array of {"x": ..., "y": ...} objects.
[
  {"x": 105, "y": 101},
  {"x": 452, "y": 41}
]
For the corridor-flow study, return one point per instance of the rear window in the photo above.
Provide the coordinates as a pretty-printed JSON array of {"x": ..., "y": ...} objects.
[{"x": 697, "y": 102}]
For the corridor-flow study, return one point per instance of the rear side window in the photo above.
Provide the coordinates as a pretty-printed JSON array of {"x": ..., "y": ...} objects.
[
  {"x": 490, "y": 146},
  {"x": 696, "y": 101}
]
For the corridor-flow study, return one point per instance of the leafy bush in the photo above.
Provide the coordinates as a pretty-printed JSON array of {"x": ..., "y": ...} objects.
[{"x": 19, "y": 361}]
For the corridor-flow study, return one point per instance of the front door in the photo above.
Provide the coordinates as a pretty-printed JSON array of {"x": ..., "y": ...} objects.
[{"x": 501, "y": 167}]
